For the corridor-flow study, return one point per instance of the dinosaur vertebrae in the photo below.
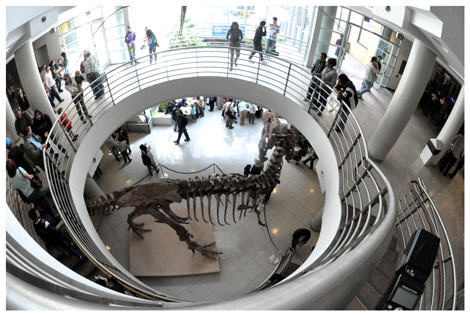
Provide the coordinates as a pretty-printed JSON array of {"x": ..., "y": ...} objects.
[{"x": 243, "y": 193}]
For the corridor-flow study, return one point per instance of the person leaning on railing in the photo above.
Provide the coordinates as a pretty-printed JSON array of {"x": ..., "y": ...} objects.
[
  {"x": 328, "y": 77},
  {"x": 316, "y": 71}
]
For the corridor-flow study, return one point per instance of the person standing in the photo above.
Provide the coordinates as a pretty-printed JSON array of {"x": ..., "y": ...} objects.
[
  {"x": 123, "y": 149},
  {"x": 112, "y": 146},
  {"x": 33, "y": 148},
  {"x": 328, "y": 76},
  {"x": 22, "y": 100},
  {"x": 272, "y": 36},
  {"x": 22, "y": 122},
  {"x": 229, "y": 115},
  {"x": 346, "y": 92},
  {"x": 65, "y": 62},
  {"x": 92, "y": 71},
  {"x": 147, "y": 159},
  {"x": 234, "y": 35},
  {"x": 152, "y": 43},
  {"x": 182, "y": 122},
  {"x": 56, "y": 70},
  {"x": 257, "y": 41},
  {"x": 372, "y": 71},
  {"x": 317, "y": 68},
  {"x": 243, "y": 110},
  {"x": 130, "y": 41},
  {"x": 211, "y": 103},
  {"x": 252, "y": 113}
]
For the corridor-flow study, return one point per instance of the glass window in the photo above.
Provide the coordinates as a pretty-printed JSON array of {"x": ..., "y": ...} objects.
[
  {"x": 344, "y": 14},
  {"x": 356, "y": 18},
  {"x": 65, "y": 27},
  {"x": 366, "y": 37}
]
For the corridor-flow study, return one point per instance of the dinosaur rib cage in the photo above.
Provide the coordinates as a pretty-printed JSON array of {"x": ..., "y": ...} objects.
[{"x": 228, "y": 197}]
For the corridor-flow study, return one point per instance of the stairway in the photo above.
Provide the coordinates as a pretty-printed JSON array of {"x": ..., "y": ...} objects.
[{"x": 370, "y": 294}]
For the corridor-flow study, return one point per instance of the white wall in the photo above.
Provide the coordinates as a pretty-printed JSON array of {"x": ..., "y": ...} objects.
[
  {"x": 228, "y": 87},
  {"x": 53, "y": 47}
]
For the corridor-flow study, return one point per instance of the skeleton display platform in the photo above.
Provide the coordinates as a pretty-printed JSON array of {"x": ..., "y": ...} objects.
[{"x": 161, "y": 253}]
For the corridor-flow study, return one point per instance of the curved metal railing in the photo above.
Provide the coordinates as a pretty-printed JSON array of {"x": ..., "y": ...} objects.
[
  {"x": 366, "y": 195},
  {"x": 418, "y": 211}
]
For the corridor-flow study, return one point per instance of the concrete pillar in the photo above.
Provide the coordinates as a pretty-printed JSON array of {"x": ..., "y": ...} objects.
[
  {"x": 315, "y": 224},
  {"x": 31, "y": 80},
  {"x": 404, "y": 101},
  {"x": 92, "y": 189},
  {"x": 327, "y": 25},
  {"x": 10, "y": 123},
  {"x": 452, "y": 126},
  {"x": 315, "y": 35}
]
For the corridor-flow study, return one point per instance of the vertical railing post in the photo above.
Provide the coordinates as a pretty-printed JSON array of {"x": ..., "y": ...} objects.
[
  {"x": 287, "y": 79},
  {"x": 137, "y": 76},
  {"x": 257, "y": 72},
  {"x": 109, "y": 88}
]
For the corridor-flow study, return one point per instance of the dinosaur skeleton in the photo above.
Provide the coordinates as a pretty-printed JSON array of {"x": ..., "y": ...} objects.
[{"x": 234, "y": 195}]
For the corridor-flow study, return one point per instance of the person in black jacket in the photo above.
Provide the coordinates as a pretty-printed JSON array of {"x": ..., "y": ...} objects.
[
  {"x": 42, "y": 124},
  {"x": 182, "y": 122},
  {"x": 346, "y": 92},
  {"x": 22, "y": 122},
  {"x": 317, "y": 68},
  {"x": 18, "y": 156},
  {"x": 22, "y": 100},
  {"x": 257, "y": 40}
]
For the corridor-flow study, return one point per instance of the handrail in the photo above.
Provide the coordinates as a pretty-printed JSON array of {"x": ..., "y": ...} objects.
[
  {"x": 421, "y": 205},
  {"x": 364, "y": 190}
]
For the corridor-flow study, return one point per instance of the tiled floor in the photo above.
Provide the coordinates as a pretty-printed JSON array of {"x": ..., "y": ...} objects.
[{"x": 246, "y": 246}]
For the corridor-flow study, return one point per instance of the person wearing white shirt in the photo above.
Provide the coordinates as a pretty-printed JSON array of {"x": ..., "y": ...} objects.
[
  {"x": 372, "y": 70},
  {"x": 49, "y": 82},
  {"x": 252, "y": 113}
]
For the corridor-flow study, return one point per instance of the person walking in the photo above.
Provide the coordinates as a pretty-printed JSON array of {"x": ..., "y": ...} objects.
[
  {"x": 50, "y": 84},
  {"x": 130, "y": 41},
  {"x": 372, "y": 70},
  {"x": 316, "y": 71},
  {"x": 346, "y": 92},
  {"x": 56, "y": 70},
  {"x": 257, "y": 41},
  {"x": 234, "y": 35},
  {"x": 21, "y": 181},
  {"x": 76, "y": 92},
  {"x": 65, "y": 62},
  {"x": 147, "y": 159},
  {"x": 328, "y": 76},
  {"x": 152, "y": 44},
  {"x": 92, "y": 71},
  {"x": 182, "y": 122},
  {"x": 272, "y": 36}
]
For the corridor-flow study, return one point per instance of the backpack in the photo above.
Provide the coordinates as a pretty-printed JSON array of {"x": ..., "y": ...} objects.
[
  {"x": 235, "y": 35},
  {"x": 146, "y": 160}
]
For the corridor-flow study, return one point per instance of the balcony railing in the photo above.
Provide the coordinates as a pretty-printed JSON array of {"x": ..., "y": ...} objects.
[{"x": 368, "y": 202}]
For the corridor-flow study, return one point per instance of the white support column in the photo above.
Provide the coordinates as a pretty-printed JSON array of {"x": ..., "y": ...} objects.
[
  {"x": 327, "y": 26},
  {"x": 315, "y": 34},
  {"x": 92, "y": 189},
  {"x": 10, "y": 123},
  {"x": 404, "y": 101},
  {"x": 31, "y": 80},
  {"x": 452, "y": 126}
]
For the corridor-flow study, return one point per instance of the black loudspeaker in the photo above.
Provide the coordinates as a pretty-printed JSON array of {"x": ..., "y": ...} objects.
[{"x": 420, "y": 255}]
